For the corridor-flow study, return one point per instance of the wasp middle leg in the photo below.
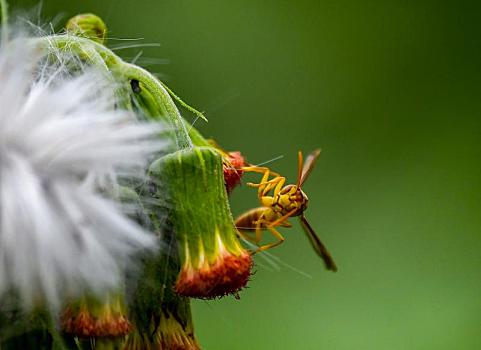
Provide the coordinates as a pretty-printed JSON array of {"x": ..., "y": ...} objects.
[{"x": 271, "y": 226}]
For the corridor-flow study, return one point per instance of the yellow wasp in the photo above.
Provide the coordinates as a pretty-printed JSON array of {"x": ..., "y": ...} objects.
[{"x": 286, "y": 201}]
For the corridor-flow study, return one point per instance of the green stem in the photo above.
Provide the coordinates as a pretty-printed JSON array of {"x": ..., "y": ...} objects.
[
  {"x": 84, "y": 48},
  {"x": 100, "y": 56},
  {"x": 162, "y": 98}
]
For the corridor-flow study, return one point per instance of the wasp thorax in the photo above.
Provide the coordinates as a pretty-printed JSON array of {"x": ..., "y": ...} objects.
[{"x": 290, "y": 198}]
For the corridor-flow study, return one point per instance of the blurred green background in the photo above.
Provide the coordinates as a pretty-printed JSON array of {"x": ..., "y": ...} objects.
[{"x": 391, "y": 92}]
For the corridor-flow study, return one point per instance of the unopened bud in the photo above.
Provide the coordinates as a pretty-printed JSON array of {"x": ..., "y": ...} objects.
[{"x": 88, "y": 25}]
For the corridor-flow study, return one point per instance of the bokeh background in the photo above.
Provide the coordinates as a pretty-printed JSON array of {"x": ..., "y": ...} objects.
[{"x": 391, "y": 92}]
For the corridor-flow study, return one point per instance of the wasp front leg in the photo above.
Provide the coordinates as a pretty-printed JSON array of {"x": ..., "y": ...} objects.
[
  {"x": 264, "y": 188},
  {"x": 258, "y": 169},
  {"x": 266, "y": 185}
]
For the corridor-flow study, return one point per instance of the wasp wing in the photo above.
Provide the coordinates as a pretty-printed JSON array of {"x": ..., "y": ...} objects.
[
  {"x": 318, "y": 246},
  {"x": 309, "y": 165}
]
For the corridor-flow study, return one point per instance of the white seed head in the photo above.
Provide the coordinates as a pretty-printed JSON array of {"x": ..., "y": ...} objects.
[{"x": 61, "y": 141}]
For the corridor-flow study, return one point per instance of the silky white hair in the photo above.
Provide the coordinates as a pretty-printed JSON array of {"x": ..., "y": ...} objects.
[{"x": 62, "y": 143}]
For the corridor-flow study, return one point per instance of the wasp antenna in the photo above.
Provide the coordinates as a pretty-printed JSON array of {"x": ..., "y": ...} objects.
[
  {"x": 309, "y": 165},
  {"x": 299, "y": 168}
]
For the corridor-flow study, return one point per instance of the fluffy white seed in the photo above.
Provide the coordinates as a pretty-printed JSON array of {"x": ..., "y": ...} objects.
[{"x": 60, "y": 141}]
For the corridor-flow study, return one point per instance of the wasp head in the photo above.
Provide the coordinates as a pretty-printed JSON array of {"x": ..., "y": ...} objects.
[{"x": 291, "y": 197}]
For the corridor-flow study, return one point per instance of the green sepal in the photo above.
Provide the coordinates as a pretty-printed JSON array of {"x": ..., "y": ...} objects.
[{"x": 193, "y": 182}]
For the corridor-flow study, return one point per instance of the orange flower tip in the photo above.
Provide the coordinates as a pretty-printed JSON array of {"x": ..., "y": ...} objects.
[
  {"x": 179, "y": 343},
  {"x": 226, "y": 276},
  {"x": 169, "y": 334},
  {"x": 233, "y": 170},
  {"x": 84, "y": 325}
]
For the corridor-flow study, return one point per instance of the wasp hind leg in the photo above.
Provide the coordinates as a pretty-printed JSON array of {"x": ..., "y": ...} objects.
[
  {"x": 276, "y": 234},
  {"x": 246, "y": 236},
  {"x": 261, "y": 225},
  {"x": 271, "y": 226}
]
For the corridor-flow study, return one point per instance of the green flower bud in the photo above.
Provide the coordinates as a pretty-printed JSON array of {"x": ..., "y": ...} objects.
[
  {"x": 88, "y": 25},
  {"x": 213, "y": 261}
]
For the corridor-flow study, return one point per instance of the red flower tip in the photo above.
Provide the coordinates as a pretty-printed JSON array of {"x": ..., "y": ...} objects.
[
  {"x": 233, "y": 170},
  {"x": 83, "y": 324},
  {"x": 228, "y": 274}
]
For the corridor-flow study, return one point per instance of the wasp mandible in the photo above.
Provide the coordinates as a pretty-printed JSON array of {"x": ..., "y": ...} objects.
[{"x": 286, "y": 201}]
